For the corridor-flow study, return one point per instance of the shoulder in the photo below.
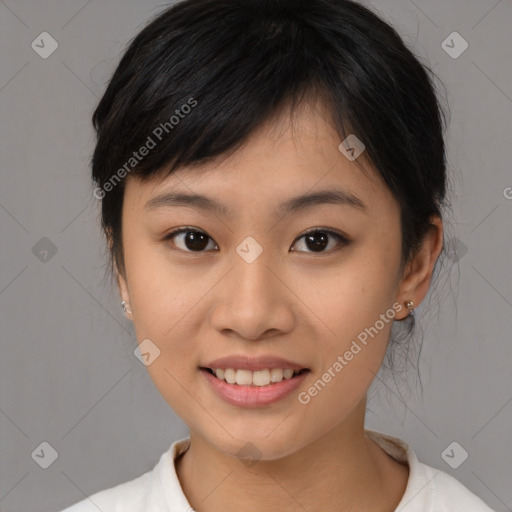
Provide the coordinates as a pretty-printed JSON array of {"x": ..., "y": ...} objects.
[
  {"x": 449, "y": 494},
  {"x": 157, "y": 489},
  {"x": 129, "y": 496},
  {"x": 428, "y": 489}
]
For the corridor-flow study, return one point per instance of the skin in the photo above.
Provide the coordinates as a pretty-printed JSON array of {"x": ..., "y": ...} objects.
[{"x": 296, "y": 303}]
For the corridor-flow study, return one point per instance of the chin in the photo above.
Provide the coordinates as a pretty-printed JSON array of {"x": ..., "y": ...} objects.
[{"x": 250, "y": 445}]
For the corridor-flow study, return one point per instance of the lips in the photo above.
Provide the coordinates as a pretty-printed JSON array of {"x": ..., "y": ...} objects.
[
  {"x": 253, "y": 381},
  {"x": 249, "y": 396}
]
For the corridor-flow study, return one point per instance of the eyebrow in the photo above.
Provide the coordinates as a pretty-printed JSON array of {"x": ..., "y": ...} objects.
[{"x": 295, "y": 204}]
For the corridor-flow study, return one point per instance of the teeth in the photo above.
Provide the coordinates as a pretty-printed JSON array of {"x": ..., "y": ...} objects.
[
  {"x": 276, "y": 375},
  {"x": 244, "y": 377},
  {"x": 260, "y": 378},
  {"x": 287, "y": 373},
  {"x": 256, "y": 378},
  {"x": 230, "y": 376}
]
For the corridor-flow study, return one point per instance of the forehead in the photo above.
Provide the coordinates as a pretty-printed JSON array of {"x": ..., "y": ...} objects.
[{"x": 284, "y": 158}]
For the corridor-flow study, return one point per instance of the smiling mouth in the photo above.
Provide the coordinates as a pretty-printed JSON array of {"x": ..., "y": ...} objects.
[{"x": 255, "y": 378}]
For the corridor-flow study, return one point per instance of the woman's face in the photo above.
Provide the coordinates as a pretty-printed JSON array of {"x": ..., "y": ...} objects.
[{"x": 251, "y": 286}]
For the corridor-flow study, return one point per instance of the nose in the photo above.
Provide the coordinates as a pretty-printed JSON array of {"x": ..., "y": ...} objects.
[{"x": 254, "y": 301}]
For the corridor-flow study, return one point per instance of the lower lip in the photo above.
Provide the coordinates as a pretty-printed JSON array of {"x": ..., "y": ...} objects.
[{"x": 253, "y": 396}]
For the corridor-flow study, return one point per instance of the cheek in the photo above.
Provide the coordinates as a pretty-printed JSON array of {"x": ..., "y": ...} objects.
[
  {"x": 164, "y": 316},
  {"x": 350, "y": 362},
  {"x": 352, "y": 298},
  {"x": 354, "y": 305},
  {"x": 163, "y": 303},
  {"x": 160, "y": 292}
]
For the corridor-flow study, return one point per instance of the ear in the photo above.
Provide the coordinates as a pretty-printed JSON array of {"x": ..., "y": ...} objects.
[
  {"x": 122, "y": 284},
  {"x": 417, "y": 276}
]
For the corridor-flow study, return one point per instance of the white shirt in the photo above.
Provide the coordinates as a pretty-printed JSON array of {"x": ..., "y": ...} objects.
[{"x": 159, "y": 490}]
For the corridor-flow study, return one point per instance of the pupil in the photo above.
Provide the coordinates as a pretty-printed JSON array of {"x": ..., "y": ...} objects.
[
  {"x": 195, "y": 240},
  {"x": 316, "y": 244}
]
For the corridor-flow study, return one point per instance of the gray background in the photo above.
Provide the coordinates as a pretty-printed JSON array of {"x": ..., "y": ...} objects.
[{"x": 68, "y": 375}]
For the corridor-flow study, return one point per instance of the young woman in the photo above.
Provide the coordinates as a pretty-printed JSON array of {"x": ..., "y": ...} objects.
[{"x": 272, "y": 175}]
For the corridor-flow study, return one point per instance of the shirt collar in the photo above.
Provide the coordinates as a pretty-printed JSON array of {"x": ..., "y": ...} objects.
[{"x": 418, "y": 494}]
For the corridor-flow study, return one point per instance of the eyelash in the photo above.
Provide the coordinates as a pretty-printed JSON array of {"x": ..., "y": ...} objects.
[{"x": 343, "y": 241}]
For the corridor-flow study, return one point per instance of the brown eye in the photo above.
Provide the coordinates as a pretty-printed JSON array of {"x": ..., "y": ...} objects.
[
  {"x": 317, "y": 240},
  {"x": 191, "y": 240}
]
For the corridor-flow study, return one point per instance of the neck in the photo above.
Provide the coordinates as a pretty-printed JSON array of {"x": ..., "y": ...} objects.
[{"x": 342, "y": 471}]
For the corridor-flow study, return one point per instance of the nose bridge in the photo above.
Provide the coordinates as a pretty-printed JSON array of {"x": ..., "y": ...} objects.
[
  {"x": 253, "y": 300},
  {"x": 252, "y": 277}
]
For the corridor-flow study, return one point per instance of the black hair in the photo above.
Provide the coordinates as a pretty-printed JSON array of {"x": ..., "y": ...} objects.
[{"x": 204, "y": 74}]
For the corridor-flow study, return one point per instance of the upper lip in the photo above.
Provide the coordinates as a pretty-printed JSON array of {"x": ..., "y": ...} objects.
[{"x": 252, "y": 363}]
